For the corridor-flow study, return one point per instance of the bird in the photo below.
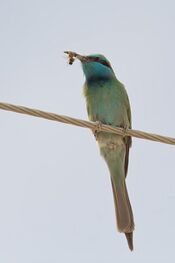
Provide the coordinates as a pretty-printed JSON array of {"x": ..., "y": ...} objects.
[{"x": 108, "y": 103}]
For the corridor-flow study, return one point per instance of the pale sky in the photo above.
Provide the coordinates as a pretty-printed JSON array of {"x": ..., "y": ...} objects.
[{"x": 56, "y": 202}]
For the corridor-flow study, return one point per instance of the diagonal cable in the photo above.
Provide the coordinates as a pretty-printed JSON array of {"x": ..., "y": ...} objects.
[{"x": 86, "y": 124}]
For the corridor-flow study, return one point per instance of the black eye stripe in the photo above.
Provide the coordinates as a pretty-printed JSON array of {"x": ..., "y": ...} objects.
[{"x": 97, "y": 59}]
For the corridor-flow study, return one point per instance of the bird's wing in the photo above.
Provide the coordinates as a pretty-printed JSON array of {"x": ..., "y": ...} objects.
[{"x": 128, "y": 140}]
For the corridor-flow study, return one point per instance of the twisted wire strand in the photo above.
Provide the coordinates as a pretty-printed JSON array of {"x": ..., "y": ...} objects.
[{"x": 86, "y": 124}]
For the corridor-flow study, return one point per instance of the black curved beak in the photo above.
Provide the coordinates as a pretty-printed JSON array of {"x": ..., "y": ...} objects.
[{"x": 74, "y": 55}]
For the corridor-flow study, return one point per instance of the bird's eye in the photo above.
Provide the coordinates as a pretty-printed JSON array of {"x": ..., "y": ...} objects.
[
  {"x": 95, "y": 59},
  {"x": 101, "y": 61},
  {"x": 104, "y": 62}
]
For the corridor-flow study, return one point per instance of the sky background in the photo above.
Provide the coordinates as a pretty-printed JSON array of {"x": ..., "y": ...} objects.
[{"x": 56, "y": 202}]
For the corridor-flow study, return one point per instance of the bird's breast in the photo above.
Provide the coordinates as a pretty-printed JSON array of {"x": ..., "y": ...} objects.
[{"x": 105, "y": 103}]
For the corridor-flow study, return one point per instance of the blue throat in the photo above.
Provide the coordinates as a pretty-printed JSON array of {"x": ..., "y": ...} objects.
[{"x": 95, "y": 72}]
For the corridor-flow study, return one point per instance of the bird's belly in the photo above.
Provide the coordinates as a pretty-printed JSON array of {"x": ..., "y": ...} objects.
[
  {"x": 109, "y": 141},
  {"x": 112, "y": 147}
]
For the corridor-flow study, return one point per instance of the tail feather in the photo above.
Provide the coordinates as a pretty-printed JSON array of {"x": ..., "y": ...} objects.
[
  {"x": 124, "y": 215},
  {"x": 129, "y": 237}
]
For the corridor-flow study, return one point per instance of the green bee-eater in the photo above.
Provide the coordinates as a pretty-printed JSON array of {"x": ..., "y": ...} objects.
[{"x": 108, "y": 103}]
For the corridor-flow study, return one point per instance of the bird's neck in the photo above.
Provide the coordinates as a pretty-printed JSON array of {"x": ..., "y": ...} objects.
[{"x": 97, "y": 79}]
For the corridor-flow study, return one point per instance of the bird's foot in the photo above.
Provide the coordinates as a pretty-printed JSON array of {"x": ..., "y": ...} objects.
[
  {"x": 125, "y": 129},
  {"x": 97, "y": 129}
]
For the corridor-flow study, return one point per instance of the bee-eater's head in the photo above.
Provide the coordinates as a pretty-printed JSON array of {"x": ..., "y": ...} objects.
[{"x": 94, "y": 66}]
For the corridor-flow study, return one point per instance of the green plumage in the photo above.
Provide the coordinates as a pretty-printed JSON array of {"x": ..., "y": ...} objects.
[{"x": 108, "y": 103}]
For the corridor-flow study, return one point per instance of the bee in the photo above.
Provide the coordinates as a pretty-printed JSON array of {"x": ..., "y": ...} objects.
[
  {"x": 71, "y": 56},
  {"x": 71, "y": 59}
]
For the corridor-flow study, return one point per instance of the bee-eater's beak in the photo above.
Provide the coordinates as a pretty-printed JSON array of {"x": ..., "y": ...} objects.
[{"x": 73, "y": 55}]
